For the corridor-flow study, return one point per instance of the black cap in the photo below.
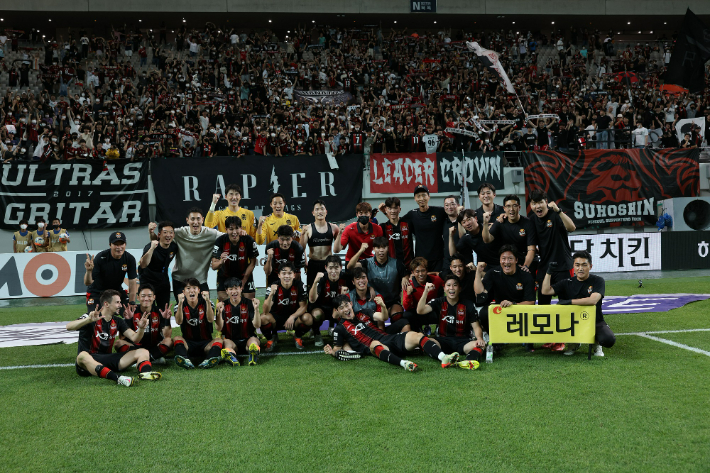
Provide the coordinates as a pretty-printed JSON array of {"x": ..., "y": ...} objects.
[
  {"x": 117, "y": 236},
  {"x": 420, "y": 188}
]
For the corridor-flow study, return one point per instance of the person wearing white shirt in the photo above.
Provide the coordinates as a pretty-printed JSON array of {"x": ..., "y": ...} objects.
[{"x": 640, "y": 136}]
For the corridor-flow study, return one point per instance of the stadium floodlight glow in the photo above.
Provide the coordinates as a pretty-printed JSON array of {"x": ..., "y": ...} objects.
[
  {"x": 513, "y": 22},
  {"x": 395, "y": 21},
  {"x": 184, "y": 20},
  {"x": 639, "y": 32},
  {"x": 313, "y": 21},
  {"x": 288, "y": 31},
  {"x": 50, "y": 19},
  {"x": 269, "y": 21},
  {"x": 665, "y": 22},
  {"x": 434, "y": 21},
  {"x": 140, "y": 21},
  {"x": 628, "y": 22},
  {"x": 651, "y": 31},
  {"x": 553, "y": 22}
]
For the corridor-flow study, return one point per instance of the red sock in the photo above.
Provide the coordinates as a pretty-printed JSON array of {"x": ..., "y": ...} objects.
[
  {"x": 164, "y": 349},
  {"x": 122, "y": 349},
  {"x": 144, "y": 366},
  {"x": 106, "y": 373}
]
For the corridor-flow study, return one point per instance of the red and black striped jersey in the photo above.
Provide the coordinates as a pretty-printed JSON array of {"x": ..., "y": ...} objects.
[
  {"x": 286, "y": 301},
  {"x": 399, "y": 238},
  {"x": 154, "y": 331},
  {"x": 294, "y": 254},
  {"x": 194, "y": 324},
  {"x": 98, "y": 337},
  {"x": 454, "y": 319},
  {"x": 238, "y": 320},
  {"x": 327, "y": 290},
  {"x": 241, "y": 254},
  {"x": 362, "y": 328}
]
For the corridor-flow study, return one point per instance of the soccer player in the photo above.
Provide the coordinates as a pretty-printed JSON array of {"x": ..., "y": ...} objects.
[
  {"x": 552, "y": 227},
  {"x": 514, "y": 229},
  {"x": 280, "y": 251},
  {"x": 413, "y": 292},
  {"x": 285, "y": 308},
  {"x": 428, "y": 228},
  {"x": 486, "y": 194},
  {"x": 321, "y": 295},
  {"x": 506, "y": 285},
  {"x": 457, "y": 320},
  {"x": 582, "y": 289},
  {"x": 22, "y": 239},
  {"x": 217, "y": 219},
  {"x": 266, "y": 232},
  {"x": 397, "y": 231},
  {"x": 465, "y": 272},
  {"x": 195, "y": 244},
  {"x": 98, "y": 329},
  {"x": 472, "y": 241},
  {"x": 156, "y": 259},
  {"x": 110, "y": 267},
  {"x": 451, "y": 207},
  {"x": 58, "y": 237},
  {"x": 158, "y": 331},
  {"x": 194, "y": 313},
  {"x": 240, "y": 318},
  {"x": 387, "y": 276},
  {"x": 359, "y": 329},
  {"x": 40, "y": 237},
  {"x": 234, "y": 256},
  {"x": 359, "y": 232},
  {"x": 319, "y": 237}
]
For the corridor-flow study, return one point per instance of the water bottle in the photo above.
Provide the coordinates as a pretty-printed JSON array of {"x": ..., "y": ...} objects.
[{"x": 489, "y": 353}]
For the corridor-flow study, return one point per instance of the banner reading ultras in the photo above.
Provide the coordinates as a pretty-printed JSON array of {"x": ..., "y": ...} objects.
[
  {"x": 542, "y": 324},
  {"x": 611, "y": 188},
  {"x": 180, "y": 184},
  {"x": 90, "y": 194},
  {"x": 396, "y": 173}
]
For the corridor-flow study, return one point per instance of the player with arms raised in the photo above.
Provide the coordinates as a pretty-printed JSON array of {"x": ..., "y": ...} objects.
[
  {"x": 319, "y": 237},
  {"x": 194, "y": 313},
  {"x": 239, "y": 318}
]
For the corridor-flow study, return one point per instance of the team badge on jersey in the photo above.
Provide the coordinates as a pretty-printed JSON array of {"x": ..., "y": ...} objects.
[
  {"x": 154, "y": 319},
  {"x": 549, "y": 223},
  {"x": 124, "y": 267},
  {"x": 288, "y": 222},
  {"x": 521, "y": 232},
  {"x": 589, "y": 290},
  {"x": 519, "y": 286},
  {"x": 201, "y": 312},
  {"x": 433, "y": 218}
]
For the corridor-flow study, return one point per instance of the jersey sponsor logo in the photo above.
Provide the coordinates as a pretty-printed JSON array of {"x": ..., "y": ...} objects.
[
  {"x": 549, "y": 224},
  {"x": 238, "y": 258},
  {"x": 234, "y": 320},
  {"x": 102, "y": 336},
  {"x": 194, "y": 322},
  {"x": 519, "y": 286},
  {"x": 521, "y": 232},
  {"x": 358, "y": 328},
  {"x": 394, "y": 236},
  {"x": 284, "y": 302},
  {"x": 449, "y": 319}
]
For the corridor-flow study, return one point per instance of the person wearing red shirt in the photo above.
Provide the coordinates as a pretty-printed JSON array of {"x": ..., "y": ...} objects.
[
  {"x": 413, "y": 291},
  {"x": 360, "y": 233}
]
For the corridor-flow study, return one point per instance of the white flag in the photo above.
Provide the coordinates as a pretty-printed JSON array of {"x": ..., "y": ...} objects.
[{"x": 490, "y": 60}]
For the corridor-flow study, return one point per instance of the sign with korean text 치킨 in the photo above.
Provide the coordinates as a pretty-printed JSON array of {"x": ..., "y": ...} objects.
[
  {"x": 542, "y": 324},
  {"x": 399, "y": 173},
  {"x": 618, "y": 252}
]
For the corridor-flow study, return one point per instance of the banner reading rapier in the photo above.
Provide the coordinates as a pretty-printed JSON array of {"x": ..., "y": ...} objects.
[
  {"x": 615, "y": 187},
  {"x": 542, "y": 324}
]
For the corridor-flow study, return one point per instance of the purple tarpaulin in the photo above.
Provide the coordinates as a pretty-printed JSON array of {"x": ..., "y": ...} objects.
[{"x": 648, "y": 303}]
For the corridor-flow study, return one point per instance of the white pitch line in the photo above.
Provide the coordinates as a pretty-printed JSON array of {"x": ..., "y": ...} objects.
[
  {"x": 675, "y": 344},
  {"x": 65, "y": 365},
  {"x": 667, "y": 331}
]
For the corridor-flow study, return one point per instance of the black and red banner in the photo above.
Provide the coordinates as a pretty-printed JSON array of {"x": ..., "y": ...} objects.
[{"x": 612, "y": 188}]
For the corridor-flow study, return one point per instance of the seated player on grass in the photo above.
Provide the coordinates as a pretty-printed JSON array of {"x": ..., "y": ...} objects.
[
  {"x": 157, "y": 339},
  {"x": 458, "y": 319},
  {"x": 322, "y": 292},
  {"x": 194, "y": 313},
  {"x": 240, "y": 318},
  {"x": 359, "y": 330},
  {"x": 285, "y": 308},
  {"x": 97, "y": 332}
]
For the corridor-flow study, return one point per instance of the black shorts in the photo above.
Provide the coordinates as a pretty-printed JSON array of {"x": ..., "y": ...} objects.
[
  {"x": 250, "y": 287},
  {"x": 314, "y": 266},
  {"x": 327, "y": 311},
  {"x": 92, "y": 300},
  {"x": 196, "y": 348},
  {"x": 395, "y": 343},
  {"x": 108, "y": 360},
  {"x": 280, "y": 321},
  {"x": 397, "y": 326},
  {"x": 453, "y": 344},
  {"x": 241, "y": 346},
  {"x": 178, "y": 287}
]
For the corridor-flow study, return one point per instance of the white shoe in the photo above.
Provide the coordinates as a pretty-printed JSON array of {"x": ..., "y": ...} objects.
[
  {"x": 331, "y": 331},
  {"x": 598, "y": 350},
  {"x": 126, "y": 381},
  {"x": 318, "y": 339},
  {"x": 572, "y": 349}
]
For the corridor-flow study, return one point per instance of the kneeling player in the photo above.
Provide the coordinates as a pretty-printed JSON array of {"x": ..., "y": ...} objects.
[
  {"x": 97, "y": 332},
  {"x": 285, "y": 308},
  {"x": 322, "y": 292},
  {"x": 240, "y": 318},
  {"x": 457, "y": 318},
  {"x": 359, "y": 328},
  {"x": 157, "y": 339},
  {"x": 195, "y": 315}
]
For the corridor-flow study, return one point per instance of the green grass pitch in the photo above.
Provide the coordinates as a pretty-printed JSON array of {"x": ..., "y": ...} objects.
[{"x": 643, "y": 407}]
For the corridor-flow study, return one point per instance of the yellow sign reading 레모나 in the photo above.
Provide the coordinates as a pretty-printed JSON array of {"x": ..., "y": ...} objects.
[{"x": 542, "y": 324}]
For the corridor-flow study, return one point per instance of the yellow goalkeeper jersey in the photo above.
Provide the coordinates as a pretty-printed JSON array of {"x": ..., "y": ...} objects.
[
  {"x": 216, "y": 220},
  {"x": 272, "y": 223}
]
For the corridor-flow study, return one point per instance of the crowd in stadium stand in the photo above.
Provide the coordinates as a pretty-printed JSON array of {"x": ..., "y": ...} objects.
[{"x": 206, "y": 92}]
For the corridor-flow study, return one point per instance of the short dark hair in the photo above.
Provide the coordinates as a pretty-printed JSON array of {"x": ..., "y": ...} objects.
[
  {"x": 40, "y": 219},
  {"x": 284, "y": 231},
  {"x": 484, "y": 185},
  {"x": 380, "y": 242},
  {"x": 287, "y": 265},
  {"x": 582, "y": 254},
  {"x": 148, "y": 286},
  {"x": 418, "y": 261},
  {"x": 333, "y": 259},
  {"x": 339, "y": 299},
  {"x": 455, "y": 197},
  {"x": 510, "y": 248},
  {"x": 391, "y": 202},
  {"x": 232, "y": 282},
  {"x": 165, "y": 223},
  {"x": 363, "y": 207},
  {"x": 191, "y": 282},
  {"x": 233, "y": 187},
  {"x": 511, "y": 197},
  {"x": 467, "y": 213},
  {"x": 457, "y": 256},
  {"x": 232, "y": 220},
  {"x": 273, "y": 196},
  {"x": 57, "y": 218},
  {"x": 319, "y": 201},
  {"x": 538, "y": 196},
  {"x": 24, "y": 220},
  {"x": 452, "y": 276},
  {"x": 194, "y": 210},
  {"x": 358, "y": 273},
  {"x": 107, "y": 296}
]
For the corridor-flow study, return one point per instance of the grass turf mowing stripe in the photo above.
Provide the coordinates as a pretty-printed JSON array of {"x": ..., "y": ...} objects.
[{"x": 675, "y": 344}]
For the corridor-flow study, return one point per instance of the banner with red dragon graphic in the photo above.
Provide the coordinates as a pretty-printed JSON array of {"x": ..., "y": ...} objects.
[{"x": 614, "y": 187}]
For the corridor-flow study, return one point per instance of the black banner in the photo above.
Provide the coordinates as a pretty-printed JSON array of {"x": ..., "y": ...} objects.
[
  {"x": 90, "y": 194},
  {"x": 478, "y": 168},
  {"x": 685, "y": 250},
  {"x": 691, "y": 51},
  {"x": 612, "y": 188},
  {"x": 180, "y": 184},
  {"x": 428, "y": 6}
]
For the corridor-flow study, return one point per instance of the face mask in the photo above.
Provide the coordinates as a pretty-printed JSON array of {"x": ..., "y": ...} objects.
[
  {"x": 23, "y": 226},
  {"x": 56, "y": 227},
  {"x": 363, "y": 219},
  {"x": 40, "y": 225}
]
